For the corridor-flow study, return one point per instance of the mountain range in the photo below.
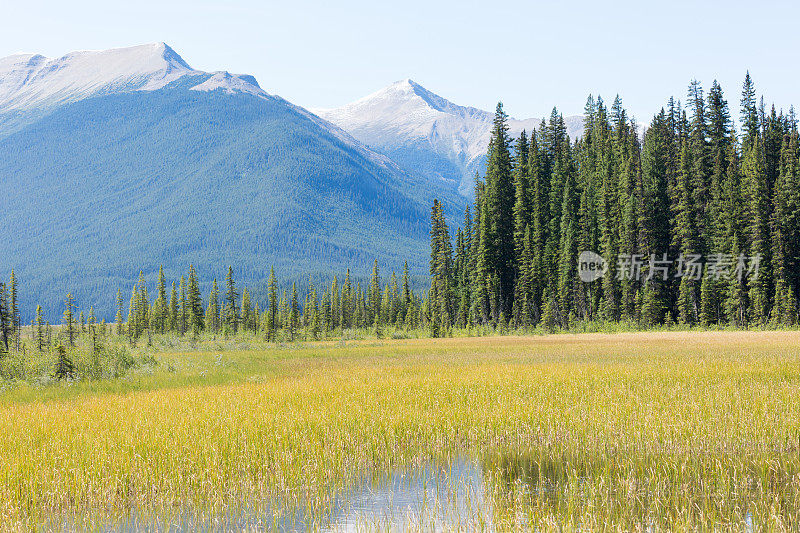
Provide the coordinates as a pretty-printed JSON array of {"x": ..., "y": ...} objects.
[{"x": 120, "y": 160}]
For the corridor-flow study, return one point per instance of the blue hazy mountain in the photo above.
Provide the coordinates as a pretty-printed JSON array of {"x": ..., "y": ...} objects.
[{"x": 116, "y": 161}]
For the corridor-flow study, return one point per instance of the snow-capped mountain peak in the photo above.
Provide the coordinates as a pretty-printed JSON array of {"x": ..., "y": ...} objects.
[
  {"x": 397, "y": 103},
  {"x": 424, "y": 132},
  {"x": 436, "y": 102},
  {"x": 32, "y": 82}
]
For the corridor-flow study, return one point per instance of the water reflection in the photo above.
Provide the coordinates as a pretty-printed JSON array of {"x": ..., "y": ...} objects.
[
  {"x": 437, "y": 496},
  {"x": 499, "y": 491}
]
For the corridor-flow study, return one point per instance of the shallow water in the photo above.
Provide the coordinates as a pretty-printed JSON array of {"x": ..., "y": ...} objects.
[
  {"x": 501, "y": 492},
  {"x": 436, "y": 496},
  {"x": 444, "y": 496}
]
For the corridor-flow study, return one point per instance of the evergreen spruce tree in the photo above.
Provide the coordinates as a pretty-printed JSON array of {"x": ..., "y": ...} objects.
[
  {"x": 654, "y": 227},
  {"x": 374, "y": 292},
  {"x": 118, "y": 318},
  {"x": 41, "y": 334},
  {"x": 539, "y": 224},
  {"x": 6, "y": 322},
  {"x": 347, "y": 302},
  {"x": 247, "y": 310},
  {"x": 213, "y": 309},
  {"x": 231, "y": 314},
  {"x": 359, "y": 309},
  {"x": 272, "y": 310},
  {"x": 315, "y": 323},
  {"x": 160, "y": 309},
  {"x": 499, "y": 202},
  {"x": 132, "y": 329},
  {"x": 440, "y": 295},
  {"x": 686, "y": 236},
  {"x": 785, "y": 226},
  {"x": 590, "y": 157},
  {"x": 325, "y": 313},
  {"x": 720, "y": 133},
  {"x": 609, "y": 147},
  {"x": 462, "y": 273},
  {"x": 560, "y": 165},
  {"x": 484, "y": 259},
  {"x": 16, "y": 323},
  {"x": 195, "y": 303},
  {"x": 65, "y": 368},
  {"x": 183, "y": 308},
  {"x": 568, "y": 252},
  {"x": 631, "y": 192},
  {"x": 294, "y": 314},
  {"x": 140, "y": 322},
  {"x": 522, "y": 192},
  {"x": 96, "y": 370},
  {"x": 735, "y": 302},
  {"x": 757, "y": 199},
  {"x": 336, "y": 310},
  {"x": 70, "y": 329},
  {"x": 283, "y": 311},
  {"x": 700, "y": 169},
  {"x": 773, "y": 130},
  {"x": 405, "y": 297},
  {"x": 749, "y": 116},
  {"x": 393, "y": 309},
  {"x": 174, "y": 313}
]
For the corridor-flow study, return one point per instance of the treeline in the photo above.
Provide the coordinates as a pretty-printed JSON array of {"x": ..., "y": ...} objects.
[
  {"x": 311, "y": 313},
  {"x": 85, "y": 346},
  {"x": 693, "y": 223},
  {"x": 321, "y": 312},
  {"x": 696, "y": 223}
]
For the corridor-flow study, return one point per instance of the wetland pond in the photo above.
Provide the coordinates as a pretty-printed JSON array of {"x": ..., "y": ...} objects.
[{"x": 465, "y": 493}]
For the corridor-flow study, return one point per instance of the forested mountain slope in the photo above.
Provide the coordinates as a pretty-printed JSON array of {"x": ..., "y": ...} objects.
[{"x": 204, "y": 169}]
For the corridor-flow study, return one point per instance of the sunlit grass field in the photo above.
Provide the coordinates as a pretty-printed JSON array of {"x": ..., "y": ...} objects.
[{"x": 627, "y": 431}]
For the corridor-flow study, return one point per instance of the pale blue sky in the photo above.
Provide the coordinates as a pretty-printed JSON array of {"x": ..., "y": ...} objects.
[{"x": 531, "y": 55}]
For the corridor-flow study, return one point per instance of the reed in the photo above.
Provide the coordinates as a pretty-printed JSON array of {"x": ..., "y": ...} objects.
[{"x": 595, "y": 431}]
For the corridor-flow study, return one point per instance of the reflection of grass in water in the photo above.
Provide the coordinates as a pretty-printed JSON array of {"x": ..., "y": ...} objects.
[
  {"x": 621, "y": 431},
  {"x": 668, "y": 491}
]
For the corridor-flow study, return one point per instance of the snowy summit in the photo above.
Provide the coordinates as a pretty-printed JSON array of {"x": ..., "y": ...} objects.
[
  {"x": 425, "y": 132},
  {"x": 30, "y": 81}
]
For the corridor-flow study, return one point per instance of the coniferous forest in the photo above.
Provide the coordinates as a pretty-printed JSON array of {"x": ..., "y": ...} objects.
[{"x": 696, "y": 222}]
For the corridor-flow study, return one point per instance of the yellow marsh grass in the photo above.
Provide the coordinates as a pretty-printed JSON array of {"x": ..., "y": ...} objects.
[{"x": 620, "y": 431}]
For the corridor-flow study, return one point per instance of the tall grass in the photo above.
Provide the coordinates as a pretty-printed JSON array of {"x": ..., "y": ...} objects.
[{"x": 627, "y": 431}]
